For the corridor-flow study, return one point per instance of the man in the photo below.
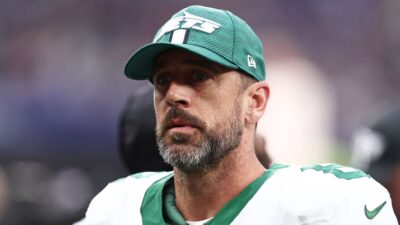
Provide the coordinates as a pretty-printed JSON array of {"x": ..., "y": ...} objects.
[{"x": 208, "y": 72}]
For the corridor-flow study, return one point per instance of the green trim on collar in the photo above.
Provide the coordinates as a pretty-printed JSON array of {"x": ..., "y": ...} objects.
[
  {"x": 153, "y": 202},
  {"x": 230, "y": 211},
  {"x": 172, "y": 214}
]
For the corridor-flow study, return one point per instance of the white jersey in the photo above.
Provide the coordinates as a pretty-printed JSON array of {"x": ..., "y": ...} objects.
[{"x": 326, "y": 194}]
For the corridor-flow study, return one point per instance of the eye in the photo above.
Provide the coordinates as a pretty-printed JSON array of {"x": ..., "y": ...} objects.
[
  {"x": 161, "y": 79},
  {"x": 198, "y": 76}
]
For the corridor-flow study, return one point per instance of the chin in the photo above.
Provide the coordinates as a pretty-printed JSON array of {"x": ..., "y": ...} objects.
[{"x": 182, "y": 139}]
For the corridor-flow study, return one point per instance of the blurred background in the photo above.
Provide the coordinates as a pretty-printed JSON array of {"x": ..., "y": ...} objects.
[{"x": 333, "y": 66}]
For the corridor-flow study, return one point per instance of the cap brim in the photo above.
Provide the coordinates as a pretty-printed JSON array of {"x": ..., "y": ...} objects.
[{"x": 140, "y": 65}]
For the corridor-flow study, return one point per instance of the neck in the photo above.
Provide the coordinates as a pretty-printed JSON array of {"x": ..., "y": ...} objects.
[{"x": 200, "y": 196}]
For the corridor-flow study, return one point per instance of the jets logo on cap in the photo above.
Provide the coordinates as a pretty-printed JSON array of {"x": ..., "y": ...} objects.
[{"x": 180, "y": 26}]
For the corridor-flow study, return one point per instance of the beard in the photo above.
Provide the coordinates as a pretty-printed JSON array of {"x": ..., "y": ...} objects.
[{"x": 193, "y": 154}]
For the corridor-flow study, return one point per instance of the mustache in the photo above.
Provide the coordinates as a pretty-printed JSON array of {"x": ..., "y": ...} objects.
[{"x": 179, "y": 113}]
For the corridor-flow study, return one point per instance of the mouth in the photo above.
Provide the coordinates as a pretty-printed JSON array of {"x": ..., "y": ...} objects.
[
  {"x": 179, "y": 125},
  {"x": 178, "y": 120}
]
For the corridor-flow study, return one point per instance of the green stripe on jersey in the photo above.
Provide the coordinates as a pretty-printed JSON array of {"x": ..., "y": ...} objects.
[
  {"x": 152, "y": 205},
  {"x": 151, "y": 209},
  {"x": 229, "y": 212}
]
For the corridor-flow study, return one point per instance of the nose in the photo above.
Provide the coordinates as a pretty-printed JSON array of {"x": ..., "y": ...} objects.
[{"x": 178, "y": 94}]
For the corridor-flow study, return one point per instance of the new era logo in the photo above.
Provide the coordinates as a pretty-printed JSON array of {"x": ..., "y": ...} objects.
[{"x": 251, "y": 62}]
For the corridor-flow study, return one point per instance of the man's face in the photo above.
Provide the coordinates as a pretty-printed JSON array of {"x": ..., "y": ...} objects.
[{"x": 198, "y": 110}]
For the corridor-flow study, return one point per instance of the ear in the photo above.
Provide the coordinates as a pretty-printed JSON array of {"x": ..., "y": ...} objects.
[{"x": 258, "y": 94}]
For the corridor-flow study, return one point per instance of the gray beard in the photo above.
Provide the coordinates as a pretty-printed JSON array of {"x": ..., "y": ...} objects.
[{"x": 214, "y": 145}]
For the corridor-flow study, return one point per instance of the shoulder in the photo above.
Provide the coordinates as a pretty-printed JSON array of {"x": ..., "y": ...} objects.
[
  {"x": 323, "y": 190},
  {"x": 329, "y": 181},
  {"x": 322, "y": 176},
  {"x": 122, "y": 195},
  {"x": 134, "y": 183},
  {"x": 131, "y": 184}
]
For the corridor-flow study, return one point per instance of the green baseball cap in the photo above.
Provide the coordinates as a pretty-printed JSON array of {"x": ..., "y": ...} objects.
[{"x": 217, "y": 35}]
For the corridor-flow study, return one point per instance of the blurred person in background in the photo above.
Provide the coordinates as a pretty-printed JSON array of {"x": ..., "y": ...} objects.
[
  {"x": 208, "y": 71},
  {"x": 137, "y": 141},
  {"x": 376, "y": 149}
]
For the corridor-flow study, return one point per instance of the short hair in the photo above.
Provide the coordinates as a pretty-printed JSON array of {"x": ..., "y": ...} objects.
[{"x": 246, "y": 80}]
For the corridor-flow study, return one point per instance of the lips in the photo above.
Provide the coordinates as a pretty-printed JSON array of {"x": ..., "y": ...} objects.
[
  {"x": 178, "y": 120},
  {"x": 176, "y": 123}
]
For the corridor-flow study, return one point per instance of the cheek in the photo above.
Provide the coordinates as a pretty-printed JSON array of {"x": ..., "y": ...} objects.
[
  {"x": 222, "y": 113},
  {"x": 158, "y": 113},
  {"x": 228, "y": 106},
  {"x": 158, "y": 103}
]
